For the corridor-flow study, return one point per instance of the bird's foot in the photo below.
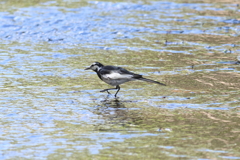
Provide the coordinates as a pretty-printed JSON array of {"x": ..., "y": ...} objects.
[{"x": 105, "y": 90}]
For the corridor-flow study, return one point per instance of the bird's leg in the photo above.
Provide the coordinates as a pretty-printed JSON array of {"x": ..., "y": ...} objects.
[
  {"x": 106, "y": 90},
  {"x": 118, "y": 89}
]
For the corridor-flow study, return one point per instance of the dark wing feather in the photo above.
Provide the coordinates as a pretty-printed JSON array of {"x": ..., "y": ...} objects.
[
  {"x": 124, "y": 71},
  {"x": 113, "y": 69},
  {"x": 110, "y": 69}
]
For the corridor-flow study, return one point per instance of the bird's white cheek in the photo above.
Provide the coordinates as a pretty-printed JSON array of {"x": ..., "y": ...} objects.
[{"x": 94, "y": 68}]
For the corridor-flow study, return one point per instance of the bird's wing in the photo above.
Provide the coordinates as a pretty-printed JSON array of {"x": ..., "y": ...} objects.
[
  {"x": 124, "y": 71},
  {"x": 113, "y": 72}
]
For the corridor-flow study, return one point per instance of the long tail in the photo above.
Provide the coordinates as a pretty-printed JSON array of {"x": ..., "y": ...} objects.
[{"x": 149, "y": 80}]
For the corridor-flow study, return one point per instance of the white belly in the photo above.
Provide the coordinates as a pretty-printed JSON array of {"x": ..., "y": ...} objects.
[
  {"x": 116, "y": 79},
  {"x": 115, "y": 82}
]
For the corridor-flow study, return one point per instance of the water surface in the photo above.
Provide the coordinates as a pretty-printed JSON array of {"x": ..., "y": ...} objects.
[{"x": 51, "y": 108}]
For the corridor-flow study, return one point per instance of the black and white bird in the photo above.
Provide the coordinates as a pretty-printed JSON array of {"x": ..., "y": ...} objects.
[{"x": 115, "y": 76}]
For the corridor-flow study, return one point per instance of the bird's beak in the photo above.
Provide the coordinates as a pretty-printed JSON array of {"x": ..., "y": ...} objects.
[{"x": 87, "y": 68}]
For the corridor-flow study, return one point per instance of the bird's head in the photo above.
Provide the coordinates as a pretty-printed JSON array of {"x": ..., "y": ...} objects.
[{"x": 95, "y": 66}]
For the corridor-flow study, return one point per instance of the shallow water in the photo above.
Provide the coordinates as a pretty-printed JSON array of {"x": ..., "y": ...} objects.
[{"x": 51, "y": 108}]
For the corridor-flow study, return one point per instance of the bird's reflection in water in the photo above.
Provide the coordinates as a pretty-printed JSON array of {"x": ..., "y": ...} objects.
[
  {"x": 113, "y": 103},
  {"x": 114, "y": 112}
]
